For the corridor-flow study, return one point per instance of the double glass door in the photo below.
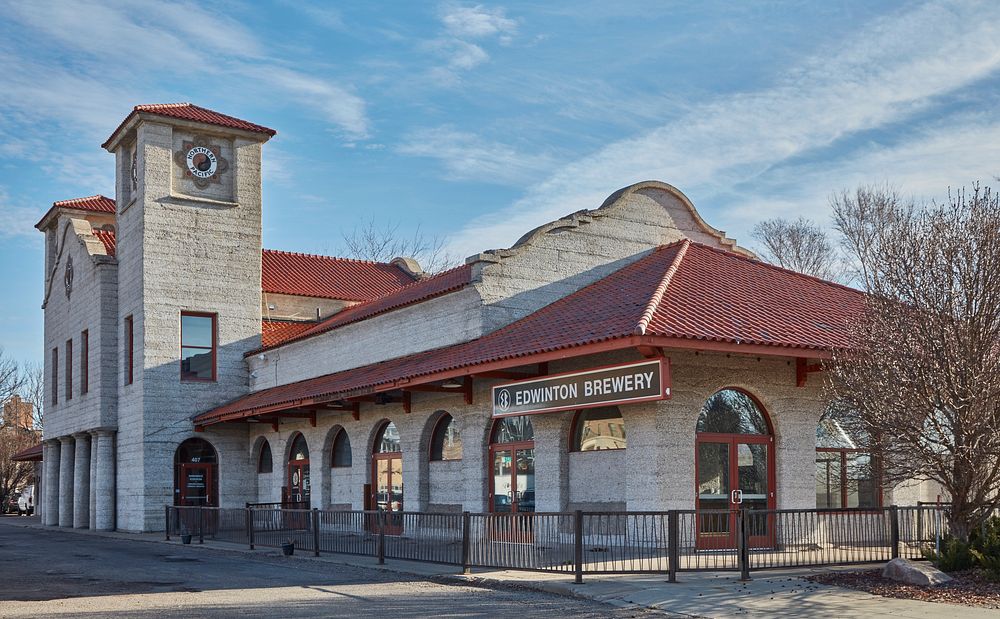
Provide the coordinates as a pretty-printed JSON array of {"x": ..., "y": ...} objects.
[
  {"x": 388, "y": 489},
  {"x": 513, "y": 483},
  {"x": 298, "y": 484},
  {"x": 734, "y": 472}
]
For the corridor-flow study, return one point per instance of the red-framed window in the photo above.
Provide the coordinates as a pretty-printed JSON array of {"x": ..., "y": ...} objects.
[
  {"x": 69, "y": 370},
  {"x": 55, "y": 376},
  {"x": 129, "y": 349},
  {"x": 597, "y": 429},
  {"x": 846, "y": 478},
  {"x": 84, "y": 361},
  {"x": 198, "y": 346}
]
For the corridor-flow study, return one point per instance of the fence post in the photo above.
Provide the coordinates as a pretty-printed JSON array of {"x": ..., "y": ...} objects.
[
  {"x": 673, "y": 544},
  {"x": 894, "y": 530},
  {"x": 250, "y": 526},
  {"x": 201, "y": 524},
  {"x": 578, "y": 546},
  {"x": 315, "y": 519},
  {"x": 742, "y": 550},
  {"x": 466, "y": 544},
  {"x": 166, "y": 528},
  {"x": 381, "y": 537}
]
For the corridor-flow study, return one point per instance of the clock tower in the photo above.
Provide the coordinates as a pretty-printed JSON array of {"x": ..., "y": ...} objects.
[{"x": 188, "y": 187}]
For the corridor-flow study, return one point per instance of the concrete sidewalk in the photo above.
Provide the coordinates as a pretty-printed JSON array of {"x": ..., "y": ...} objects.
[{"x": 776, "y": 593}]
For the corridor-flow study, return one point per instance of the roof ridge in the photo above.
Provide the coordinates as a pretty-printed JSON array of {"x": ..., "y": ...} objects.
[
  {"x": 661, "y": 289},
  {"x": 778, "y": 268},
  {"x": 142, "y": 107},
  {"x": 83, "y": 199},
  {"x": 338, "y": 258}
]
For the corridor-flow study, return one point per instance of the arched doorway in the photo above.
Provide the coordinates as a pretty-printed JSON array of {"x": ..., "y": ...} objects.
[
  {"x": 387, "y": 476},
  {"x": 195, "y": 474},
  {"x": 512, "y": 465},
  {"x": 734, "y": 468},
  {"x": 298, "y": 474}
]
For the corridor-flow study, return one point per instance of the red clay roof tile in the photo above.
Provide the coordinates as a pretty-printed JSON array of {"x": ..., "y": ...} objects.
[
  {"x": 414, "y": 292},
  {"x": 329, "y": 278},
  {"x": 188, "y": 111},
  {"x": 96, "y": 204},
  {"x": 709, "y": 294},
  {"x": 107, "y": 237},
  {"x": 274, "y": 332}
]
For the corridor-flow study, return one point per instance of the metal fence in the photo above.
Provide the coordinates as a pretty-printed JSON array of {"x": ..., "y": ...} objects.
[{"x": 580, "y": 542}]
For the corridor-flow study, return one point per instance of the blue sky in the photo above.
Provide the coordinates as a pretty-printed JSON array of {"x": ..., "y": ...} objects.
[{"x": 478, "y": 122}]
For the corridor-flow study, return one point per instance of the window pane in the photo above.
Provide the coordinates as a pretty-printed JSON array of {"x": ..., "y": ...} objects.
[
  {"x": 828, "y": 476},
  {"x": 299, "y": 451},
  {"x": 341, "y": 450},
  {"x": 196, "y": 363},
  {"x": 265, "y": 464},
  {"x": 513, "y": 430},
  {"x": 446, "y": 444},
  {"x": 861, "y": 486},
  {"x": 389, "y": 441},
  {"x": 732, "y": 412},
  {"x": 196, "y": 331},
  {"x": 600, "y": 428}
]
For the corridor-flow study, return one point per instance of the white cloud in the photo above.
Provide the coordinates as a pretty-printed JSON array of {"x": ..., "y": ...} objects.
[
  {"x": 17, "y": 220},
  {"x": 889, "y": 69},
  {"x": 475, "y": 22},
  {"x": 467, "y": 156}
]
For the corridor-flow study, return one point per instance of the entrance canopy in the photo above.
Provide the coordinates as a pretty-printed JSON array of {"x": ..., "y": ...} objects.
[
  {"x": 31, "y": 454},
  {"x": 683, "y": 296}
]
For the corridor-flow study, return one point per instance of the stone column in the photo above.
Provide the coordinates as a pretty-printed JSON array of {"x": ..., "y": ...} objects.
[
  {"x": 81, "y": 482},
  {"x": 551, "y": 461},
  {"x": 50, "y": 485},
  {"x": 104, "y": 480},
  {"x": 66, "y": 460},
  {"x": 93, "y": 480}
]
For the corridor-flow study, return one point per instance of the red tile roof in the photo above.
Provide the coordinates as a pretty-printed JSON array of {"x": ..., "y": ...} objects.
[
  {"x": 96, "y": 204},
  {"x": 274, "y": 332},
  {"x": 415, "y": 292},
  {"x": 329, "y": 278},
  {"x": 684, "y": 292},
  {"x": 188, "y": 111},
  {"x": 31, "y": 454},
  {"x": 107, "y": 237}
]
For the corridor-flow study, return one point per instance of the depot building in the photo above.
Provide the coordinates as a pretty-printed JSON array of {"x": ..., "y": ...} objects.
[{"x": 627, "y": 357}]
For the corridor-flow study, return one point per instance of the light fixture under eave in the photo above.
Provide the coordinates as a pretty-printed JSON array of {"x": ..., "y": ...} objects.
[
  {"x": 452, "y": 383},
  {"x": 252, "y": 420}
]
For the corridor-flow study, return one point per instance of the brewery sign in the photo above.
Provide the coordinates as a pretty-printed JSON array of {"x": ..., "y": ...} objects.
[{"x": 628, "y": 383}]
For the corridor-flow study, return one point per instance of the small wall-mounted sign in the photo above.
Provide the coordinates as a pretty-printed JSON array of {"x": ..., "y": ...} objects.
[{"x": 642, "y": 381}]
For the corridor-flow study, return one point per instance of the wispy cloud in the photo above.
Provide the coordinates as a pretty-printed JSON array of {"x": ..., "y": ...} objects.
[
  {"x": 466, "y": 156},
  {"x": 891, "y": 69},
  {"x": 462, "y": 25},
  {"x": 18, "y": 220}
]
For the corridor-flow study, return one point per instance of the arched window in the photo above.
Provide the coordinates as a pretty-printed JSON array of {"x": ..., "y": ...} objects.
[
  {"x": 732, "y": 412},
  {"x": 513, "y": 430},
  {"x": 387, "y": 440},
  {"x": 341, "y": 456},
  {"x": 599, "y": 428},
  {"x": 446, "y": 441},
  {"x": 265, "y": 464},
  {"x": 299, "y": 451}
]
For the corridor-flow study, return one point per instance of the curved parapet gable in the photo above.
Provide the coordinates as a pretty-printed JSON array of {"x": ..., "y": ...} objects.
[
  {"x": 562, "y": 256},
  {"x": 83, "y": 231}
]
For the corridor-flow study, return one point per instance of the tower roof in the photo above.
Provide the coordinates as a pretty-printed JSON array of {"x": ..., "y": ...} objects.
[{"x": 191, "y": 112}]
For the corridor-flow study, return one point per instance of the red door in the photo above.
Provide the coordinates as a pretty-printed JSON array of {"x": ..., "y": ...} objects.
[
  {"x": 734, "y": 472},
  {"x": 298, "y": 484},
  {"x": 196, "y": 484},
  {"x": 387, "y": 489},
  {"x": 512, "y": 490}
]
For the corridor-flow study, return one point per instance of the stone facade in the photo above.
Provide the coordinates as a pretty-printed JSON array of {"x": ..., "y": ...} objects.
[{"x": 109, "y": 453}]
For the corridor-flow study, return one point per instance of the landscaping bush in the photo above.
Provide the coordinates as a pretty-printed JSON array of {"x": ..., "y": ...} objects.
[
  {"x": 985, "y": 548},
  {"x": 955, "y": 555}
]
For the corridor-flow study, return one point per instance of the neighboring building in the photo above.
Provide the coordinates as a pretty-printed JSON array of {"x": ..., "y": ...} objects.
[
  {"x": 186, "y": 366},
  {"x": 18, "y": 413}
]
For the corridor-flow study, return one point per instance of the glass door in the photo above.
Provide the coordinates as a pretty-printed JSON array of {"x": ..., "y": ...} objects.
[
  {"x": 388, "y": 490},
  {"x": 298, "y": 484},
  {"x": 512, "y": 491},
  {"x": 196, "y": 484},
  {"x": 734, "y": 474}
]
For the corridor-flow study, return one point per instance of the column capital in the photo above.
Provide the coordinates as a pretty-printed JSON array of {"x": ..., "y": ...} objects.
[
  {"x": 81, "y": 435},
  {"x": 104, "y": 431},
  {"x": 65, "y": 440}
]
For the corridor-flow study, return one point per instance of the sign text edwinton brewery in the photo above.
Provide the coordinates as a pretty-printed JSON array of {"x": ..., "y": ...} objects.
[{"x": 630, "y": 382}]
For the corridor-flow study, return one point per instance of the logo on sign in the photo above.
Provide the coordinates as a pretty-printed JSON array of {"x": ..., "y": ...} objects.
[{"x": 503, "y": 400}]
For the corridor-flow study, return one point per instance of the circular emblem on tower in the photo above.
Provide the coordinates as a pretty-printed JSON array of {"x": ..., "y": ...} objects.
[{"x": 201, "y": 161}]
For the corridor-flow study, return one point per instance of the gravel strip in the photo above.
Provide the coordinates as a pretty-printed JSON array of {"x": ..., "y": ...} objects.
[{"x": 970, "y": 588}]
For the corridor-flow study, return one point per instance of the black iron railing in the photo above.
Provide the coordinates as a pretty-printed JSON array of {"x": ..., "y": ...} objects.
[{"x": 580, "y": 542}]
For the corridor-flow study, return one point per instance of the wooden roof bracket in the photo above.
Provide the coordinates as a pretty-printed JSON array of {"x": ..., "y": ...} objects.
[{"x": 802, "y": 370}]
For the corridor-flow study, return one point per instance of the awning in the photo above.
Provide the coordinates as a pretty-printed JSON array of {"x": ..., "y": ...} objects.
[{"x": 31, "y": 454}]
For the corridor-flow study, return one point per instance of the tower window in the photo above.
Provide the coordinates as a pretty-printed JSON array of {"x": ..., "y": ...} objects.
[{"x": 198, "y": 346}]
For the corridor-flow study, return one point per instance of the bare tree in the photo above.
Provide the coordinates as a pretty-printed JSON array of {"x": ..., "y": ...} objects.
[
  {"x": 11, "y": 376},
  {"x": 921, "y": 383},
  {"x": 799, "y": 245},
  {"x": 381, "y": 242},
  {"x": 33, "y": 391},
  {"x": 14, "y": 475}
]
